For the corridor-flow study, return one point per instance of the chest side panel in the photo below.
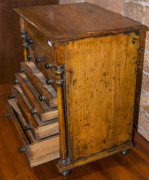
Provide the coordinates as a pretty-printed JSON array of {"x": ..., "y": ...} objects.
[{"x": 100, "y": 85}]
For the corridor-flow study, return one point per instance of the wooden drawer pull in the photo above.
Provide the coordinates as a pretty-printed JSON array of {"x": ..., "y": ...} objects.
[
  {"x": 16, "y": 81},
  {"x": 42, "y": 98},
  {"x": 49, "y": 81},
  {"x": 48, "y": 65},
  {"x": 6, "y": 115},
  {"x": 28, "y": 127},
  {"x": 38, "y": 60},
  {"x": 11, "y": 96},
  {"x": 34, "y": 111},
  {"x": 29, "y": 56},
  {"x": 23, "y": 149},
  {"x": 24, "y": 36},
  {"x": 30, "y": 41},
  {"x": 21, "y": 69}
]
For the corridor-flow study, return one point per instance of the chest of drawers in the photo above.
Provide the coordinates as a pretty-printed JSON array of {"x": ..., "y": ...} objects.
[{"x": 73, "y": 97}]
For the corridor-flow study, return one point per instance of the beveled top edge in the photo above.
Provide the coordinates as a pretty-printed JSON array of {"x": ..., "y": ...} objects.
[{"x": 69, "y": 36}]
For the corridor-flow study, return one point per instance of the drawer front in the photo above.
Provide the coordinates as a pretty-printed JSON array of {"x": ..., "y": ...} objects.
[
  {"x": 39, "y": 129},
  {"x": 47, "y": 93},
  {"x": 43, "y": 62},
  {"x": 40, "y": 108},
  {"x": 39, "y": 57},
  {"x": 38, "y": 152},
  {"x": 41, "y": 41}
]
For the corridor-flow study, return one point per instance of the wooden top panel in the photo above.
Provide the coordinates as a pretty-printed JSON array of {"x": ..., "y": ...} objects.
[{"x": 73, "y": 21}]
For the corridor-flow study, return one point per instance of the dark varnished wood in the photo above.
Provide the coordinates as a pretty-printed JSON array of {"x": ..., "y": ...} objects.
[
  {"x": 10, "y": 36},
  {"x": 95, "y": 102},
  {"x": 40, "y": 130},
  {"x": 38, "y": 152},
  {"x": 43, "y": 111},
  {"x": 133, "y": 166},
  {"x": 61, "y": 26},
  {"x": 34, "y": 75}
]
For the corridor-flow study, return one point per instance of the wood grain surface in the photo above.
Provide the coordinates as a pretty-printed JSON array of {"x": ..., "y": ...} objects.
[
  {"x": 39, "y": 131},
  {"x": 43, "y": 110},
  {"x": 50, "y": 98},
  {"x": 15, "y": 166},
  {"x": 100, "y": 91},
  {"x": 84, "y": 20},
  {"x": 11, "y": 51},
  {"x": 37, "y": 152}
]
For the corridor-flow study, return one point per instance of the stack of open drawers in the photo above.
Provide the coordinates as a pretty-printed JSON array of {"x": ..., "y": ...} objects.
[{"x": 33, "y": 106}]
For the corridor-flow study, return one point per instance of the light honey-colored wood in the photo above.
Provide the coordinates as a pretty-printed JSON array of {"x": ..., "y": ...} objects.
[
  {"x": 38, "y": 152},
  {"x": 94, "y": 157},
  {"x": 28, "y": 105},
  {"x": 46, "y": 150},
  {"x": 13, "y": 107},
  {"x": 51, "y": 98},
  {"x": 43, "y": 111},
  {"x": 62, "y": 127},
  {"x": 49, "y": 115},
  {"x": 93, "y": 71},
  {"x": 41, "y": 78},
  {"x": 39, "y": 131},
  {"x": 100, "y": 88}
]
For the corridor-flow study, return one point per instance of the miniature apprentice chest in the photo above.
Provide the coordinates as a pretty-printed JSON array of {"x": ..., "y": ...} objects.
[{"x": 73, "y": 97}]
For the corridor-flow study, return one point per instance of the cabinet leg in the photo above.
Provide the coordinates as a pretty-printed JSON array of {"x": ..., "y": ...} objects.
[
  {"x": 65, "y": 173},
  {"x": 125, "y": 152}
]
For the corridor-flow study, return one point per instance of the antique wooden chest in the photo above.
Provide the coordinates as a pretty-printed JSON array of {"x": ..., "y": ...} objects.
[{"x": 73, "y": 97}]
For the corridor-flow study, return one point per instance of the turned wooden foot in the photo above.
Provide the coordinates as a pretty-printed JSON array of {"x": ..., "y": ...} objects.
[
  {"x": 125, "y": 152},
  {"x": 65, "y": 173}
]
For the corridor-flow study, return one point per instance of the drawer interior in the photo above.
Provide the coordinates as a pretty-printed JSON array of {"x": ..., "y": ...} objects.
[
  {"x": 47, "y": 92},
  {"x": 36, "y": 55},
  {"x": 44, "y": 112},
  {"x": 37, "y": 151},
  {"x": 39, "y": 129}
]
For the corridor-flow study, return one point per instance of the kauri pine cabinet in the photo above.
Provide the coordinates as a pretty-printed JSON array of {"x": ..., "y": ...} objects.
[{"x": 73, "y": 97}]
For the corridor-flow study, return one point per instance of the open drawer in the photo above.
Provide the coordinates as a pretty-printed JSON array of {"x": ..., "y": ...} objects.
[
  {"x": 38, "y": 152},
  {"x": 38, "y": 56},
  {"x": 47, "y": 92},
  {"x": 40, "y": 108},
  {"x": 39, "y": 129}
]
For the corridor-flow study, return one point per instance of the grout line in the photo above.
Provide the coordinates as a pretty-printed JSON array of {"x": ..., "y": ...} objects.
[
  {"x": 143, "y": 19},
  {"x": 146, "y": 73},
  {"x": 144, "y": 113},
  {"x": 145, "y": 92},
  {"x": 108, "y": 4},
  {"x": 146, "y": 131}
]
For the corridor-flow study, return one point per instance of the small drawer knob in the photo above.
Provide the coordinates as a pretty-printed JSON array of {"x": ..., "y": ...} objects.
[
  {"x": 28, "y": 127},
  {"x": 10, "y": 96},
  {"x": 34, "y": 111},
  {"x": 42, "y": 98},
  {"x": 25, "y": 44},
  {"x": 48, "y": 65},
  {"x": 21, "y": 70},
  {"x": 6, "y": 115},
  {"x": 49, "y": 81},
  {"x": 30, "y": 41},
  {"x": 29, "y": 56},
  {"x": 23, "y": 149},
  {"x": 37, "y": 60},
  {"x": 16, "y": 81},
  {"x": 24, "y": 35}
]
